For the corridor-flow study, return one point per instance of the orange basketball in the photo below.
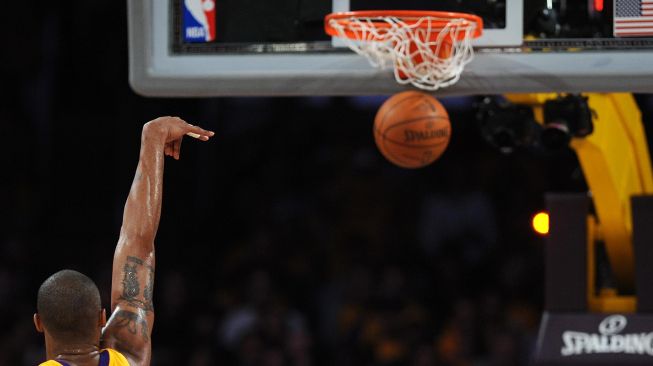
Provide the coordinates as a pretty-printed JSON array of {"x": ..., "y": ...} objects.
[{"x": 412, "y": 129}]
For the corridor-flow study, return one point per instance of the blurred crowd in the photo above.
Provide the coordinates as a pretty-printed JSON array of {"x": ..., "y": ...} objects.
[
  {"x": 350, "y": 271},
  {"x": 289, "y": 241}
]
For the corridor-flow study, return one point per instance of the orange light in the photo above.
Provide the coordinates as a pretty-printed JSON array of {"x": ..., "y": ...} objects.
[
  {"x": 541, "y": 223},
  {"x": 598, "y": 5}
]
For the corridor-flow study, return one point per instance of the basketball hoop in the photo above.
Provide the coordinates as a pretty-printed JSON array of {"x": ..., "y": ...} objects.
[{"x": 427, "y": 49}]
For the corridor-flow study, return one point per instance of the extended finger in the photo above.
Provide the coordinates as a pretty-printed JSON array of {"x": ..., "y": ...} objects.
[{"x": 199, "y": 133}]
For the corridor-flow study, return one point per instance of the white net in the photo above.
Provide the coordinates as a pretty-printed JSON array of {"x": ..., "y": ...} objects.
[{"x": 427, "y": 52}]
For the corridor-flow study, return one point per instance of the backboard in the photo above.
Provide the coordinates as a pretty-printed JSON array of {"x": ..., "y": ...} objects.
[{"x": 228, "y": 48}]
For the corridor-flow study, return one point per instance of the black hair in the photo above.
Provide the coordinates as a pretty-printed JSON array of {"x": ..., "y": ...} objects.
[{"x": 69, "y": 306}]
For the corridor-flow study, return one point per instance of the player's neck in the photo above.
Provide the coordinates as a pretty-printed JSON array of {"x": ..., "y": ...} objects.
[{"x": 74, "y": 352}]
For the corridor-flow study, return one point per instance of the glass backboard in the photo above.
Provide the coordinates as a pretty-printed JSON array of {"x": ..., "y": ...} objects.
[{"x": 246, "y": 47}]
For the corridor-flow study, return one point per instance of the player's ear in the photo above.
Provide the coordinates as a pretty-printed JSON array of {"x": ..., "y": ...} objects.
[
  {"x": 37, "y": 323},
  {"x": 103, "y": 318}
]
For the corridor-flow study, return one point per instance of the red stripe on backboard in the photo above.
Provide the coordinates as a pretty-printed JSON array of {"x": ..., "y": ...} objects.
[{"x": 633, "y": 34}]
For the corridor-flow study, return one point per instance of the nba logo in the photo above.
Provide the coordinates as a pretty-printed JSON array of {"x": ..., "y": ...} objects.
[{"x": 199, "y": 20}]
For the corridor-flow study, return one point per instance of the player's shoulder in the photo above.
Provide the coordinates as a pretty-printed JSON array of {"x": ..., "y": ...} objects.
[
  {"x": 50, "y": 363},
  {"x": 116, "y": 358}
]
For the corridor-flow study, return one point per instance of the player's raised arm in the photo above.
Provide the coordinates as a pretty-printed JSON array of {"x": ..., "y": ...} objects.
[{"x": 130, "y": 325}]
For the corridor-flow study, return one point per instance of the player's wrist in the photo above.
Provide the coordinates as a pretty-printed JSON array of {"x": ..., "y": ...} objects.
[{"x": 154, "y": 131}]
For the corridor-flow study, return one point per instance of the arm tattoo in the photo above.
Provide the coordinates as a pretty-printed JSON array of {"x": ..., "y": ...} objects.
[
  {"x": 148, "y": 291},
  {"x": 131, "y": 288},
  {"x": 135, "y": 260},
  {"x": 131, "y": 321}
]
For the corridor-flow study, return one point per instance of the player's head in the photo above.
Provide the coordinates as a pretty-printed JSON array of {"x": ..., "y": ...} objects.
[{"x": 69, "y": 308}]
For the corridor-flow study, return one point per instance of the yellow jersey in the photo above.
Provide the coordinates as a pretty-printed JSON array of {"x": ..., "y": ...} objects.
[{"x": 108, "y": 357}]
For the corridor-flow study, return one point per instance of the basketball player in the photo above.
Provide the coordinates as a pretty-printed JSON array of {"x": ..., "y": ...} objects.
[{"x": 69, "y": 312}]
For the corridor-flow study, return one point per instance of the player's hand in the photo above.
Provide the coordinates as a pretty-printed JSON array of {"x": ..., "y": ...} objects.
[{"x": 172, "y": 130}]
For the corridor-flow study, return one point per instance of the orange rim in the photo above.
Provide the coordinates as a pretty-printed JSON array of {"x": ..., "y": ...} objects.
[{"x": 410, "y": 17}]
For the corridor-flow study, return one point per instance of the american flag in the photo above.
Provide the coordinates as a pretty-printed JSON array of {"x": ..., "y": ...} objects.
[{"x": 633, "y": 18}]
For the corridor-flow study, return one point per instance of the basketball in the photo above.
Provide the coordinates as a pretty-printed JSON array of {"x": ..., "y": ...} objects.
[{"x": 412, "y": 129}]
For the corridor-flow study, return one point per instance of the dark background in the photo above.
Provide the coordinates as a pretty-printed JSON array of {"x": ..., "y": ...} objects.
[{"x": 288, "y": 239}]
